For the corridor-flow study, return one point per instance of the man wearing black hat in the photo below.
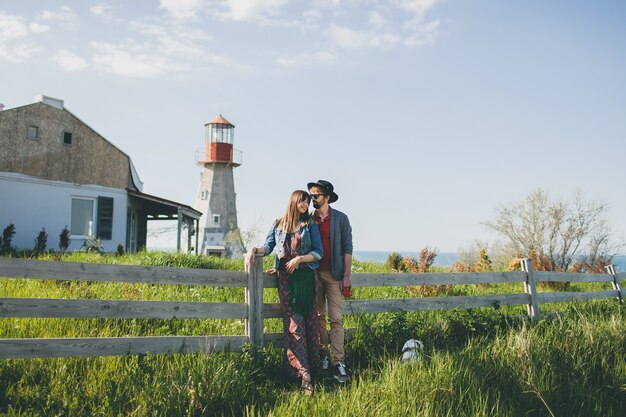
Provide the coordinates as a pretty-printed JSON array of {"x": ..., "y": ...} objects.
[{"x": 334, "y": 274}]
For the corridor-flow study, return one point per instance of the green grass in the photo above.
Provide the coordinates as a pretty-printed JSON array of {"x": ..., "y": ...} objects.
[{"x": 479, "y": 362}]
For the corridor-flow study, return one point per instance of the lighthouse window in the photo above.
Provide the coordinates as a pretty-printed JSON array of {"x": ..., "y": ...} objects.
[
  {"x": 67, "y": 138},
  {"x": 204, "y": 195},
  {"x": 216, "y": 219}
]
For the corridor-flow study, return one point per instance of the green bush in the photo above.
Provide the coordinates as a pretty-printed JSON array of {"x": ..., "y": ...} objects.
[
  {"x": 7, "y": 237},
  {"x": 41, "y": 241}
]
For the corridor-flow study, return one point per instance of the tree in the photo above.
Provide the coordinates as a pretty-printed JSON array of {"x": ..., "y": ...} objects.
[{"x": 562, "y": 232}]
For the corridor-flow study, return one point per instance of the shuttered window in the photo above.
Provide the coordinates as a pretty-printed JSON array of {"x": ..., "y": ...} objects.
[{"x": 105, "y": 218}]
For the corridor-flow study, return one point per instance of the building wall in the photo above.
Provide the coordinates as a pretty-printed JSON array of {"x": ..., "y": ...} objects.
[
  {"x": 90, "y": 159},
  {"x": 25, "y": 198},
  {"x": 216, "y": 195}
]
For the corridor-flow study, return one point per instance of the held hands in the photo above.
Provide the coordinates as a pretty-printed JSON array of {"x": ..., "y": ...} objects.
[{"x": 293, "y": 264}]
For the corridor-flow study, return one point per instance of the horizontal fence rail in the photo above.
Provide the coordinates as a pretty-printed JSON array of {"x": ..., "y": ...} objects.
[
  {"x": 254, "y": 310},
  {"x": 136, "y": 274},
  {"x": 110, "y": 346}
]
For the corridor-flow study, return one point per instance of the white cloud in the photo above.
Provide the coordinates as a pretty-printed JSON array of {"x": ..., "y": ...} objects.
[
  {"x": 165, "y": 51},
  {"x": 352, "y": 39},
  {"x": 176, "y": 41},
  {"x": 376, "y": 19},
  {"x": 69, "y": 61},
  {"x": 425, "y": 34},
  {"x": 131, "y": 60},
  {"x": 37, "y": 28},
  {"x": 418, "y": 7},
  {"x": 253, "y": 9},
  {"x": 100, "y": 9},
  {"x": 14, "y": 44},
  {"x": 320, "y": 57},
  {"x": 65, "y": 15},
  {"x": 182, "y": 9},
  {"x": 12, "y": 27}
]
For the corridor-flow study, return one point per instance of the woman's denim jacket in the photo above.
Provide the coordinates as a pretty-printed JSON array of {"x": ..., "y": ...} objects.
[{"x": 310, "y": 240}]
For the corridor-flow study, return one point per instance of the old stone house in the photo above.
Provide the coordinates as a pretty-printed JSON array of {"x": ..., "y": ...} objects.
[{"x": 56, "y": 171}]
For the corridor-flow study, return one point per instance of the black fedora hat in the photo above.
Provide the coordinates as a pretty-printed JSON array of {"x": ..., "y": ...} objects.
[{"x": 327, "y": 187}]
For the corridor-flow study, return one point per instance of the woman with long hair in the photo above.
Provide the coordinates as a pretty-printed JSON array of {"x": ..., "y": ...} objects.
[{"x": 296, "y": 238}]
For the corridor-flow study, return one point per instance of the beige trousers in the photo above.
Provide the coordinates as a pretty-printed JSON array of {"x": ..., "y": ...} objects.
[{"x": 330, "y": 295}]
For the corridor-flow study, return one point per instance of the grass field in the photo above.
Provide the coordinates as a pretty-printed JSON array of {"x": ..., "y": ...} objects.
[{"x": 480, "y": 362}]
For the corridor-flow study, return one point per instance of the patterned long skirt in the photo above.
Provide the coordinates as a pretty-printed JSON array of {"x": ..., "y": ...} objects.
[{"x": 302, "y": 338}]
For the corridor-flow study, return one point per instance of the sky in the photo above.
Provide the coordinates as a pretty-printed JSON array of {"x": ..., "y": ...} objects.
[{"x": 426, "y": 115}]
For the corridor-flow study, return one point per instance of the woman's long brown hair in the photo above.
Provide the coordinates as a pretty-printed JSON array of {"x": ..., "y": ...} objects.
[{"x": 289, "y": 221}]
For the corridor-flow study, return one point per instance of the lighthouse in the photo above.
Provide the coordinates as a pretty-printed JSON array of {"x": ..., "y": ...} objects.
[{"x": 216, "y": 200}]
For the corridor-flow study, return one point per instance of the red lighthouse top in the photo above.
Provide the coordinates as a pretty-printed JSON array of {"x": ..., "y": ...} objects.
[
  {"x": 219, "y": 136},
  {"x": 219, "y": 120}
]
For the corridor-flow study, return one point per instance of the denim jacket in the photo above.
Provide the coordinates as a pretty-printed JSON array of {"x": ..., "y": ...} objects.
[{"x": 311, "y": 243}]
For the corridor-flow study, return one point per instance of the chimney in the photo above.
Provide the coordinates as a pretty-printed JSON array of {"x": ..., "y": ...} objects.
[{"x": 51, "y": 101}]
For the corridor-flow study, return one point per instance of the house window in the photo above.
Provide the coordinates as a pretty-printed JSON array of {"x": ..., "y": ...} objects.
[
  {"x": 67, "y": 138},
  {"x": 33, "y": 132},
  {"x": 216, "y": 219},
  {"x": 105, "y": 218},
  {"x": 82, "y": 219}
]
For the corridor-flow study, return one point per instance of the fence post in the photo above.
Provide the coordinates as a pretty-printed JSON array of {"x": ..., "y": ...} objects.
[
  {"x": 610, "y": 269},
  {"x": 254, "y": 299},
  {"x": 530, "y": 288}
]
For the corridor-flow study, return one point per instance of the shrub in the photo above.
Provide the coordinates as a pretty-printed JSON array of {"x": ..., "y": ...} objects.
[
  {"x": 64, "y": 239},
  {"x": 41, "y": 241},
  {"x": 7, "y": 237},
  {"x": 91, "y": 244},
  {"x": 120, "y": 250},
  {"x": 394, "y": 262}
]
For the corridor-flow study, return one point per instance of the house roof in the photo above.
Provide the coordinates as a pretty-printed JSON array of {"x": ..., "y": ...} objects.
[{"x": 158, "y": 208}]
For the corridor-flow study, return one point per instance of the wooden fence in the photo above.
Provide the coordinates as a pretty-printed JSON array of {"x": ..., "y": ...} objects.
[{"x": 254, "y": 310}]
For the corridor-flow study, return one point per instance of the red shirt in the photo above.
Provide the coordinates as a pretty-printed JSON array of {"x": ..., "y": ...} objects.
[{"x": 324, "y": 226}]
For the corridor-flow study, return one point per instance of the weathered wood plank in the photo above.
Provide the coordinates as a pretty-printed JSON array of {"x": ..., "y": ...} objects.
[
  {"x": 559, "y": 297},
  {"x": 274, "y": 338},
  {"x": 271, "y": 310},
  {"x": 112, "y": 346},
  {"x": 66, "y": 308},
  {"x": 621, "y": 276},
  {"x": 401, "y": 279},
  {"x": 571, "y": 277},
  {"x": 417, "y": 304},
  {"x": 79, "y": 271},
  {"x": 254, "y": 298}
]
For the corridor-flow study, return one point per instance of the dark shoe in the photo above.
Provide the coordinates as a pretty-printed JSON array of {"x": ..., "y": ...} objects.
[
  {"x": 340, "y": 372},
  {"x": 307, "y": 386},
  {"x": 324, "y": 364}
]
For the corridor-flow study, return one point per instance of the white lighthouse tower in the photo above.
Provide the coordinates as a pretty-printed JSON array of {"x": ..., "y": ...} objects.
[{"x": 218, "y": 231}]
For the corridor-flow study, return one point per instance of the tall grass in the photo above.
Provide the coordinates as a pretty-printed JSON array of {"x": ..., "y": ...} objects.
[{"x": 480, "y": 362}]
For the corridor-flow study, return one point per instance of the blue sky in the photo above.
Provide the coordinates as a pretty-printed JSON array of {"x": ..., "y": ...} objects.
[{"x": 425, "y": 114}]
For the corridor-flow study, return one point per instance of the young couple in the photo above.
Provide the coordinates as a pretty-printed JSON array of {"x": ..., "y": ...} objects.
[{"x": 314, "y": 265}]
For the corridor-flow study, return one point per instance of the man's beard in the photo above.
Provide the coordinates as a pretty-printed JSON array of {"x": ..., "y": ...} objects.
[{"x": 316, "y": 205}]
